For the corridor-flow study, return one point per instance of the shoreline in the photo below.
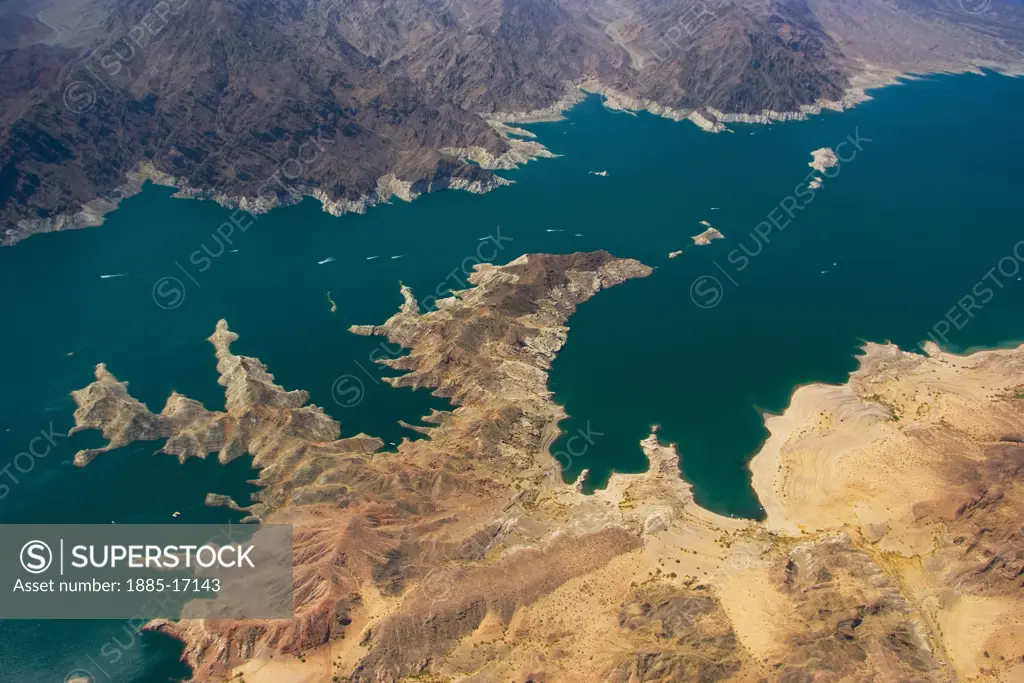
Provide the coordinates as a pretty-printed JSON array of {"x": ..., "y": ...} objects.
[
  {"x": 909, "y": 458},
  {"x": 712, "y": 120},
  {"x": 865, "y": 79},
  {"x": 94, "y": 212},
  {"x": 806, "y": 399},
  {"x": 883, "y": 528}
]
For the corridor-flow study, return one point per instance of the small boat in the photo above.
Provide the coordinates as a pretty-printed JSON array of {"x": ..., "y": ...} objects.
[
  {"x": 399, "y": 256},
  {"x": 370, "y": 258},
  {"x": 329, "y": 259},
  {"x": 107, "y": 277},
  {"x": 555, "y": 230}
]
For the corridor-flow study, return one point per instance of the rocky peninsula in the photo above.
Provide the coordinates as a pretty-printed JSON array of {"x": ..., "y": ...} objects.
[{"x": 891, "y": 550}]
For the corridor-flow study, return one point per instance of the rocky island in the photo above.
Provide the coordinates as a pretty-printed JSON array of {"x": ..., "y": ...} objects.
[
  {"x": 822, "y": 159},
  {"x": 891, "y": 550},
  {"x": 705, "y": 238}
]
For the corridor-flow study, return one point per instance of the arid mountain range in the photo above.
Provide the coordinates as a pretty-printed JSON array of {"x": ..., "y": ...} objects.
[
  {"x": 892, "y": 548},
  {"x": 255, "y": 103}
]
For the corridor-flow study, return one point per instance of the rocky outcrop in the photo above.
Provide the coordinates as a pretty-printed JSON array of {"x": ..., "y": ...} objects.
[
  {"x": 570, "y": 97},
  {"x": 519, "y": 152},
  {"x": 622, "y": 101},
  {"x": 705, "y": 238},
  {"x": 823, "y": 159}
]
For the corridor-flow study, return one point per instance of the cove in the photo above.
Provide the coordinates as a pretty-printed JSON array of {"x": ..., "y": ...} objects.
[{"x": 884, "y": 251}]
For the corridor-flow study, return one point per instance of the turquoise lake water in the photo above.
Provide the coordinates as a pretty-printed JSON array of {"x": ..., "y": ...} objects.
[{"x": 906, "y": 228}]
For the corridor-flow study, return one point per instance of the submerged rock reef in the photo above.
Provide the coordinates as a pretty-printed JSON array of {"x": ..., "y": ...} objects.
[{"x": 463, "y": 556}]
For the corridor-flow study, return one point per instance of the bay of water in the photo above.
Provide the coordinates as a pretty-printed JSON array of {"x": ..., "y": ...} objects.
[{"x": 927, "y": 207}]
